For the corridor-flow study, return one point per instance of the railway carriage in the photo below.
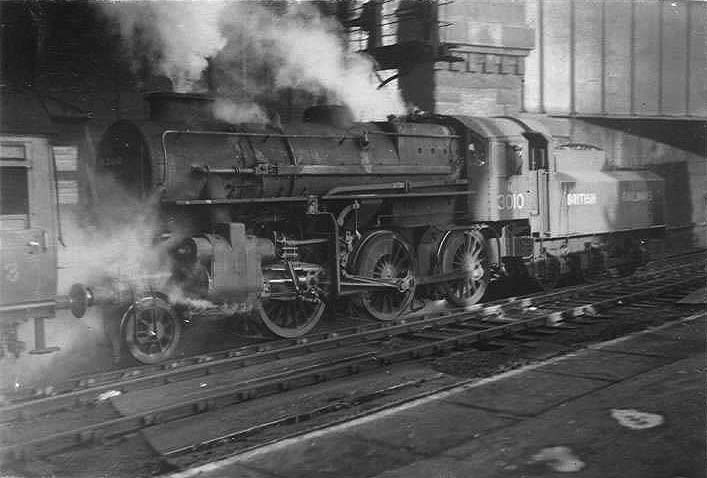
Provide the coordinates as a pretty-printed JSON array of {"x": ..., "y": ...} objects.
[
  {"x": 28, "y": 222},
  {"x": 269, "y": 225}
]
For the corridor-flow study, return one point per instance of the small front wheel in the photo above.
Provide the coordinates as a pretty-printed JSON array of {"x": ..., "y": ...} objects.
[{"x": 151, "y": 330}]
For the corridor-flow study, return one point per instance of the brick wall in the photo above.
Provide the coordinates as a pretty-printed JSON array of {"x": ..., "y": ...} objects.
[
  {"x": 491, "y": 39},
  {"x": 484, "y": 85}
]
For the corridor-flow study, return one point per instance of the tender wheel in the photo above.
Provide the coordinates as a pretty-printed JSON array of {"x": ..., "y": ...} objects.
[
  {"x": 386, "y": 255},
  {"x": 466, "y": 251},
  {"x": 151, "y": 331},
  {"x": 596, "y": 266},
  {"x": 632, "y": 256},
  {"x": 548, "y": 272},
  {"x": 284, "y": 313}
]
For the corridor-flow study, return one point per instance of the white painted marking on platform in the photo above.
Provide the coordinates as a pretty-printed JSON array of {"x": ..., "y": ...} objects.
[
  {"x": 559, "y": 458},
  {"x": 636, "y": 420},
  {"x": 109, "y": 394}
]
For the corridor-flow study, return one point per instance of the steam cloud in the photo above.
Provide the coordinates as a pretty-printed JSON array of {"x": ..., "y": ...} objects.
[
  {"x": 121, "y": 242},
  {"x": 119, "y": 247},
  {"x": 236, "y": 112},
  {"x": 257, "y": 51}
]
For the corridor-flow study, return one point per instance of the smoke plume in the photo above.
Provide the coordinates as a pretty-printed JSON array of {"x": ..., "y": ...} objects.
[
  {"x": 299, "y": 48},
  {"x": 257, "y": 50},
  {"x": 176, "y": 37}
]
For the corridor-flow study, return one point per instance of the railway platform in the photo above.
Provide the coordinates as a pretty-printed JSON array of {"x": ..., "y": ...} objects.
[{"x": 632, "y": 407}]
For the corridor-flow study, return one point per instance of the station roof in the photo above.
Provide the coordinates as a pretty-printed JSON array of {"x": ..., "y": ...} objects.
[{"x": 22, "y": 112}]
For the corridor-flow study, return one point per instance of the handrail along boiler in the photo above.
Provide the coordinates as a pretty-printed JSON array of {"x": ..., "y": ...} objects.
[{"x": 273, "y": 224}]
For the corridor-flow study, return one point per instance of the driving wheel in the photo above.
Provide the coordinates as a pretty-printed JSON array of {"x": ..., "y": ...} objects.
[
  {"x": 286, "y": 313},
  {"x": 386, "y": 255},
  {"x": 466, "y": 252}
]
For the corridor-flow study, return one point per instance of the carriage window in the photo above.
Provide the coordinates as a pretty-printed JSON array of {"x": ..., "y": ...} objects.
[
  {"x": 14, "y": 190},
  {"x": 12, "y": 152}
]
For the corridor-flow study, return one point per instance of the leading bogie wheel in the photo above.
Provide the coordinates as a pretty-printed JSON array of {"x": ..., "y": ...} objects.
[
  {"x": 386, "y": 255},
  {"x": 151, "y": 330},
  {"x": 466, "y": 252}
]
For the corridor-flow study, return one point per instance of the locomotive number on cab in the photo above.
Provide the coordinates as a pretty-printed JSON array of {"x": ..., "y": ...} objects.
[{"x": 511, "y": 201}]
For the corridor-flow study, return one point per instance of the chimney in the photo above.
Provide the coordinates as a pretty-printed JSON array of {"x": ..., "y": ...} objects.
[{"x": 180, "y": 107}]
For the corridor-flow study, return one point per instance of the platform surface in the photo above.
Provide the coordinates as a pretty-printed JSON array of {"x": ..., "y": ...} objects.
[{"x": 629, "y": 408}]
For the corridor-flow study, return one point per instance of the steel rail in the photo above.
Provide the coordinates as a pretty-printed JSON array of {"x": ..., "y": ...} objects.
[
  {"x": 335, "y": 406},
  {"x": 87, "y": 389},
  {"x": 232, "y": 394},
  {"x": 176, "y": 457}
]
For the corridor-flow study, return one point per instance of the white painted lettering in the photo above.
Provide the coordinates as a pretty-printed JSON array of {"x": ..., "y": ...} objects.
[{"x": 581, "y": 199}]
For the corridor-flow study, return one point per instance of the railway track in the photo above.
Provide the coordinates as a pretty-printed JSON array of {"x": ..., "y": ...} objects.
[
  {"x": 85, "y": 390},
  {"x": 530, "y": 317}
]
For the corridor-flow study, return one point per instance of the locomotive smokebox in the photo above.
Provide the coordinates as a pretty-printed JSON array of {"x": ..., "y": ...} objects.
[
  {"x": 178, "y": 107},
  {"x": 224, "y": 266}
]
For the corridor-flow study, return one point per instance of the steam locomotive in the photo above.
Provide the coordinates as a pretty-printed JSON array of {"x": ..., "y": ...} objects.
[{"x": 269, "y": 225}]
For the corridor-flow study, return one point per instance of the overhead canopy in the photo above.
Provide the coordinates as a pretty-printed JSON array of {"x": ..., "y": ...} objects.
[{"x": 22, "y": 112}]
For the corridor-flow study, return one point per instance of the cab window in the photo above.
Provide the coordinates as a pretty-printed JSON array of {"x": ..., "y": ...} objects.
[
  {"x": 476, "y": 154},
  {"x": 514, "y": 159},
  {"x": 537, "y": 151},
  {"x": 14, "y": 187}
]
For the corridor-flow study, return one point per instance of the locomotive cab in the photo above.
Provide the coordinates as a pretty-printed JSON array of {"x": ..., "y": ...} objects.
[{"x": 509, "y": 165}]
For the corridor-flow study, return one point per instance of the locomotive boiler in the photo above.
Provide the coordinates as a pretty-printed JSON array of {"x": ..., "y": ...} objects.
[{"x": 268, "y": 225}]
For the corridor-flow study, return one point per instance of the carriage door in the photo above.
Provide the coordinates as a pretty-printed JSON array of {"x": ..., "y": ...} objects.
[
  {"x": 27, "y": 252},
  {"x": 538, "y": 170}
]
